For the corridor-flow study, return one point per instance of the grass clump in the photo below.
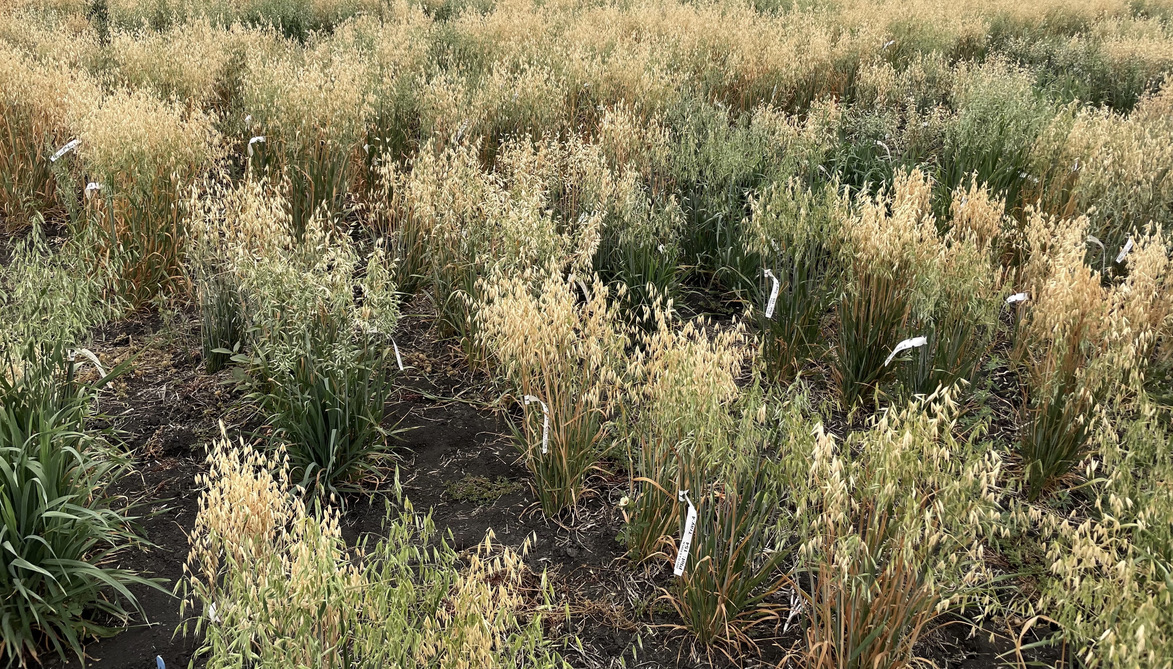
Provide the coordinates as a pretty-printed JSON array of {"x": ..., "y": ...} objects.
[
  {"x": 49, "y": 296},
  {"x": 727, "y": 590},
  {"x": 1083, "y": 345},
  {"x": 326, "y": 406},
  {"x": 794, "y": 229},
  {"x": 896, "y": 515},
  {"x": 221, "y": 321},
  {"x": 317, "y": 362},
  {"x": 60, "y": 523},
  {"x": 999, "y": 117},
  {"x": 962, "y": 304},
  {"x": 564, "y": 353},
  {"x": 272, "y": 583},
  {"x": 888, "y": 245},
  {"x": 142, "y": 154},
  {"x": 311, "y": 112},
  {"x": 676, "y": 421},
  {"x": 481, "y": 490}
]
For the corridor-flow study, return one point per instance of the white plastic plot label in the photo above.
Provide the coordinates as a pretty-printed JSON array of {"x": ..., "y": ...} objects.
[
  {"x": 795, "y": 609},
  {"x": 259, "y": 139},
  {"x": 586, "y": 294},
  {"x": 773, "y": 301},
  {"x": 88, "y": 355},
  {"x": 91, "y": 187},
  {"x": 904, "y": 346},
  {"x": 1124, "y": 251},
  {"x": 64, "y": 150},
  {"x": 1017, "y": 297},
  {"x": 529, "y": 399},
  {"x": 398, "y": 358},
  {"x": 686, "y": 538},
  {"x": 1092, "y": 239}
]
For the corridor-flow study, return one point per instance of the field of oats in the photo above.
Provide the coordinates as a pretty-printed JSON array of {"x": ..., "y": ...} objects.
[{"x": 828, "y": 334}]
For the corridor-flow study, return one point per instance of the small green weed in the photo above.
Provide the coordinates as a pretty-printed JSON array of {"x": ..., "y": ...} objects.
[{"x": 480, "y": 490}]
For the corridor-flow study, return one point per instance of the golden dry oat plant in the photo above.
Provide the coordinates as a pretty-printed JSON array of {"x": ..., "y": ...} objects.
[
  {"x": 585, "y": 199},
  {"x": 561, "y": 360},
  {"x": 899, "y": 514},
  {"x": 271, "y": 582}
]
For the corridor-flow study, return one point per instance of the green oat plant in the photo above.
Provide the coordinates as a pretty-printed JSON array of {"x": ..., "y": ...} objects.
[
  {"x": 648, "y": 269},
  {"x": 960, "y": 329},
  {"x": 653, "y": 510},
  {"x": 872, "y": 316},
  {"x": 791, "y": 334},
  {"x": 896, "y": 518},
  {"x": 868, "y": 610},
  {"x": 718, "y": 161},
  {"x": 48, "y": 294},
  {"x": 792, "y": 229},
  {"x": 326, "y": 406},
  {"x": 1057, "y": 431},
  {"x": 222, "y": 325},
  {"x": 999, "y": 116},
  {"x": 139, "y": 237},
  {"x": 890, "y": 246},
  {"x": 733, "y": 569},
  {"x": 60, "y": 526},
  {"x": 563, "y": 454},
  {"x": 675, "y": 421}
]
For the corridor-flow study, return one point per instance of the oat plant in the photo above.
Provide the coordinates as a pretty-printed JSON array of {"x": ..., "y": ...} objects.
[
  {"x": 734, "y": 568},
  {"x": 326, "y": 406},
  {"x": 221, "y": 321},
  {"x": 61, "y": 525}
]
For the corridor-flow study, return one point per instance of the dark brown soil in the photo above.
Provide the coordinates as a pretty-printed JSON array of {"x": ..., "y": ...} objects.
[{"x": 168, "y": 409}]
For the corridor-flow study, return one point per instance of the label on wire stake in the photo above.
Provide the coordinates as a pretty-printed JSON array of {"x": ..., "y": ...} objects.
[
  {"x": 904, "y": 346},
  {"x": 686, "y": 538},
  {"x": 1124, "y": 251},
  {"x": 398, "y": 359},
  {"x": 586, "y": 294},
  {"x": 529, "y": 399},
  {"x": 773, "y": 293},
  {"x": 1017, "y": 297},
  {"x": 795, "y": 609},
  {"x": 64, "y": 150},
  {"x": 1092, "y": 239},
  {"x": 92, "y": 186},
  {"x": 254, "y": 140}
]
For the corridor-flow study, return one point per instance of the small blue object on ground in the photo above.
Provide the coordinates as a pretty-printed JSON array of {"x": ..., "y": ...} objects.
[{"x": 159, "y": 662}]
